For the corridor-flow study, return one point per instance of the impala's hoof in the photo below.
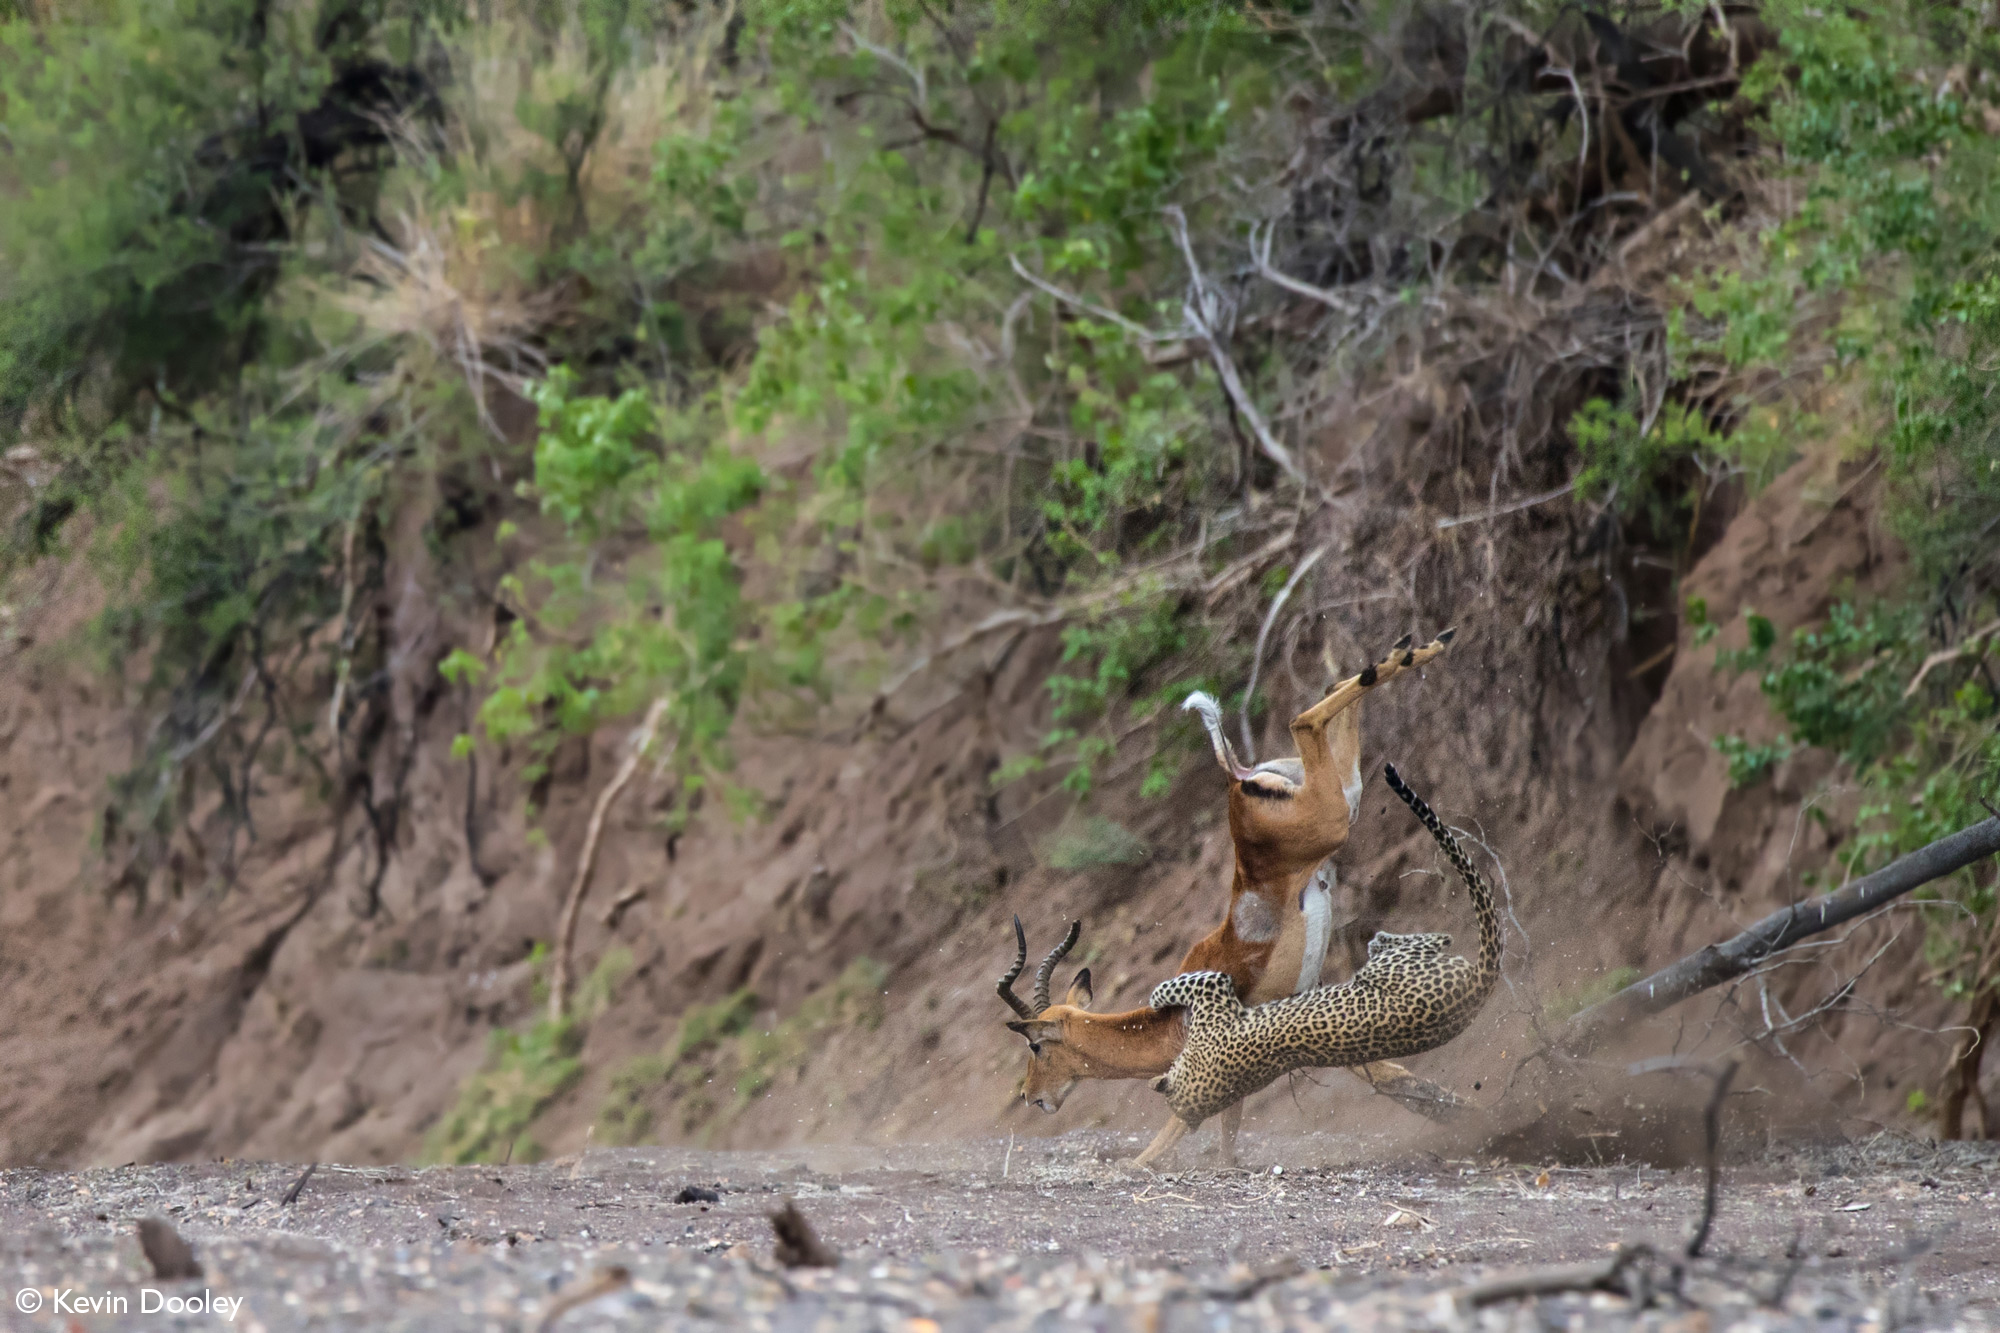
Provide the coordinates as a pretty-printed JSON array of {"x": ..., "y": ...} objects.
[
  {"x": 1403, "y": 643},
  {"x": 1160, "y": 1083},
  {"x": 1445, "y": 636}
]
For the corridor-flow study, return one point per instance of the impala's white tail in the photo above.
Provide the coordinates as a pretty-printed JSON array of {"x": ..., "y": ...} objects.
[{"x": 1203, "y": 703}]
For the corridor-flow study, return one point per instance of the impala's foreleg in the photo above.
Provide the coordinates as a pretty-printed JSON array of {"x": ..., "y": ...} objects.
[{"x": 1163, "y": 1142}]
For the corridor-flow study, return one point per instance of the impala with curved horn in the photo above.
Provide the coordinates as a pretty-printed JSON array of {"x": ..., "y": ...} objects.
[
  {"x": 1286, "y": 817},
  {"x": 1042, "y": 973}
]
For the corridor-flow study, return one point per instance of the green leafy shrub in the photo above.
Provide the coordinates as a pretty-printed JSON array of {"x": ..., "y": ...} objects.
[
  {"x": 526, "y": 1070},
  {"x": 1083, "y": 843}
]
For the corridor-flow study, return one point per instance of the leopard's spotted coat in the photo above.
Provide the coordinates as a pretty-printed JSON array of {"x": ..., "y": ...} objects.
[{"x": 1408, "y": 997}]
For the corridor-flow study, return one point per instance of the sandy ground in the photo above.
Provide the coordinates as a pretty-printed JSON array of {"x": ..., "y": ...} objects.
[{"x": 1883, "y": 1234}]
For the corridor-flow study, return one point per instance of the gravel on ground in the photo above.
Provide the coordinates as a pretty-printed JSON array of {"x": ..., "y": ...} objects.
[{"x": 1036, "y": 1233}]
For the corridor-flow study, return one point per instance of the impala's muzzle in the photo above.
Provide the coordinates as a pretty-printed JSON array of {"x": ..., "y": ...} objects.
[{"x": 1049, "y": 1100}]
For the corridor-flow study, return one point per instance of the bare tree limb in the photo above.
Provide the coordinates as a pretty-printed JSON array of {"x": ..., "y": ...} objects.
[
  {"x": 1717, "y": 963},
  {"x": 586, "y": 861},
  {"x": 1200, "y": 324},
  {"x": 1264, "y": 635}
]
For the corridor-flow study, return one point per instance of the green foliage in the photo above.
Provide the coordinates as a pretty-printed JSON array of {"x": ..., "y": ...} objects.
[
  {"x": 1566, "y": 1005},
  {"x": 718, "y": 1045},
  {"x": 1629, "y": 465},
  {"x": 1086, "y": 842},
  {"x": 705, "y": 1026},
  {"x": 852, "y": 1000},
  {"x": 625, "y": 1118},
  {"x": 1750, "y": 764},
  {"x": 525, "y": 1071},
  {"x": 1887, "y": 263},
  {"x": 593, "y": 647},
  {"x": 1108, "y": 660}
]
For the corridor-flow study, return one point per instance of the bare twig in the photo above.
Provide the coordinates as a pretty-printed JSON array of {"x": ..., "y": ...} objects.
[
  {"x": 799, "y": 1246},
  {"x": 1090, "y": 308},
  {"x": 614, "y": 1277},
  {"x": 1263, "y": 636},
  {"x": 1951, "y": 654},
  {"x": 1260, "y": 257},
  {"x": 1711, "y": 1124},
  {"x": 1599, "y": 1276},
  {"x": 1513, "y": 508},
  {"x": 292, "y": 1195},
  {"x": 346, "y": 642},
  {"x": 642, "y": 740},
  {"x": 999, "y": 620},
  {"x": 616, "y": 912}
]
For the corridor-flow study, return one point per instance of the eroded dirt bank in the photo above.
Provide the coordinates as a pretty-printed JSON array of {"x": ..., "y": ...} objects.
[
  {"x": 980, "y": 1234},
  {"x": 283, "y": 1018}
]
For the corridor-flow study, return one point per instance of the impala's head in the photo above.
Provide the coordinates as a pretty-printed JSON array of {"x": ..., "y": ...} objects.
[{"x": 1054, "y": 1066}]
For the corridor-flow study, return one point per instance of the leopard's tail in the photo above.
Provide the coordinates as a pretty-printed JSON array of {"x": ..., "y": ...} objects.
[{"x": 1482, "y": 897}]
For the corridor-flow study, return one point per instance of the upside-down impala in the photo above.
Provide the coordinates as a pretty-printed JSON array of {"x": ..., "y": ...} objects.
[{"x": 1286, "y": 817}]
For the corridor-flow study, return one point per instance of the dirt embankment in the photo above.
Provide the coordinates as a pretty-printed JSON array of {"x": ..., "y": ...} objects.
[{"x": 277, "y": 1020}]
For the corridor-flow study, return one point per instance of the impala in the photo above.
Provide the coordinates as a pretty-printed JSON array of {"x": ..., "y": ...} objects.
[{"x": 1286, "y": 817}]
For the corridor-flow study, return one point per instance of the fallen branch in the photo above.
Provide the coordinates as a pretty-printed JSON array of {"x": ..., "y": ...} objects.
[
  {"x": 586, "y": 863},
  {"x": 1596, "y": 1276},
  {"x": 615, "y": 1277},
  {"x": 1717, "y": 963}
]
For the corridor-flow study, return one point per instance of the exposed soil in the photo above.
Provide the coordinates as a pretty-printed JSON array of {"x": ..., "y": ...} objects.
[
  {"x": 983, "y": 1233},
  {"x": 278, "y": 1019}
]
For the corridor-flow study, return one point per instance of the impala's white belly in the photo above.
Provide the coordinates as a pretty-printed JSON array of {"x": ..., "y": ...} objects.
[{"x": 1316, "y": 905}]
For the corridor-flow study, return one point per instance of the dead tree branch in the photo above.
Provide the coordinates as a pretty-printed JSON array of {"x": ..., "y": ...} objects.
[
  {"x": 586, "y": 861},
  {"x": 1717, "y": 963},
  {"x": 1199, "y": 312}
]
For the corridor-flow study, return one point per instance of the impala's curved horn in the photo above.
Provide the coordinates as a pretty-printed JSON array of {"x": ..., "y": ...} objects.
[
  {"x": 1048, "y": 966},
  {"x": 1204, "y": 704},
  {"x": 1006, "y": 986}
]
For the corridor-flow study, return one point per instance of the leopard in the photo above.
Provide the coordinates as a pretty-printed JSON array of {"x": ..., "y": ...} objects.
[{"x": 1408, "y": 997}]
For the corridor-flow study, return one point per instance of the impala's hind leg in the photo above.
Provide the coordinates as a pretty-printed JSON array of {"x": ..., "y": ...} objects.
[
  {"x": 1328, "y": 734},
  {"x": 1343, "y": 751}
]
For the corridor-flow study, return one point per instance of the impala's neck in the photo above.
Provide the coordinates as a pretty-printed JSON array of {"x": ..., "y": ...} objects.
[
  {"x": 1139, "y": 1043},
  {"x": 1274, "y": 937}
]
